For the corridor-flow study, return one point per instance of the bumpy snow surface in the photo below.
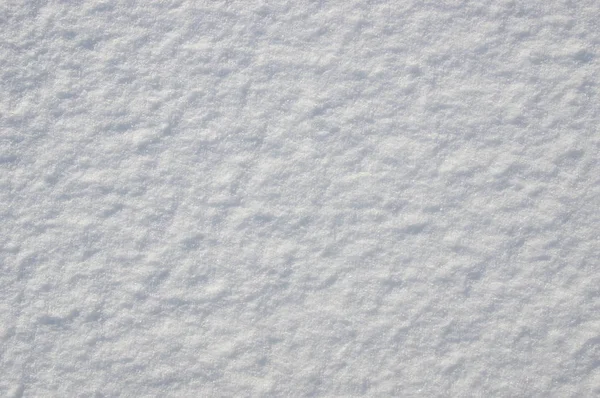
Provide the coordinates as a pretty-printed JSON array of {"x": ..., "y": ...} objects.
[{"x": 299, "y": 198}]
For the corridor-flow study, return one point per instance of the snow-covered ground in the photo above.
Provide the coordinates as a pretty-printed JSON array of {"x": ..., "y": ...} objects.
[{"x": 299, "y": 198}]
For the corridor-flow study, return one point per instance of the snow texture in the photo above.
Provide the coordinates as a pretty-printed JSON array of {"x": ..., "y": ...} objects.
[{"x": 299, "y": 198}]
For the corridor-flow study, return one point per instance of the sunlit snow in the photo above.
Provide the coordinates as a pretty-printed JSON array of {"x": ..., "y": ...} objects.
[{"x": 299, "y": 198}]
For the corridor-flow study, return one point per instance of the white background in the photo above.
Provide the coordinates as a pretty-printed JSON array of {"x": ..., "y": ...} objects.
[{"x": 299, "y": 198}]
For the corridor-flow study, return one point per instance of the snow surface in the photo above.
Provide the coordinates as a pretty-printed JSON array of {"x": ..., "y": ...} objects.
[{"x": 299, "y": 198}]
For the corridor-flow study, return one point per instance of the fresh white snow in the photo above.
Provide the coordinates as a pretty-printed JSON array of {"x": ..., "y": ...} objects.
[{"x": 299, "y": 198}]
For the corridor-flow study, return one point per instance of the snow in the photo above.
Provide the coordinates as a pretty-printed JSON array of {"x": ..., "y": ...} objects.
[{"x": 307, "y": 198}]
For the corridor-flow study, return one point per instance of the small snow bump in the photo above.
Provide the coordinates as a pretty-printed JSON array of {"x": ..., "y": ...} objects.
[{"x": 584, "y": 56}]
